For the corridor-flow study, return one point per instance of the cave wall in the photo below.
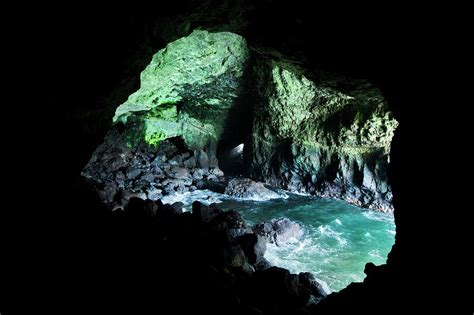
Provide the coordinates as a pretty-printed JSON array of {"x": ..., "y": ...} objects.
[
  {"x": 321, "y": 134},
  {"x": 305, "y": 131},
  {"x": 88, "y": 51}
]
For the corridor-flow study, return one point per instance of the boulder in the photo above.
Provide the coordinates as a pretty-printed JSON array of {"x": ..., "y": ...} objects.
[
  {"x": 246, "y": 188},
  {"x": 253, "y": 246},
  {"x": 307, "y": 280},
  {"x": 278, "y": 231}
]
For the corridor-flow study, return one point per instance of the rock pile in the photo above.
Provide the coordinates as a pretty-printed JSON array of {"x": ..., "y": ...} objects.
[{"x": 119, "y": 172}]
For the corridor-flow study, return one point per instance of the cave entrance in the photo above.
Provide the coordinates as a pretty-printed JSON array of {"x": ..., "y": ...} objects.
[{"x": 231, "y": 160}]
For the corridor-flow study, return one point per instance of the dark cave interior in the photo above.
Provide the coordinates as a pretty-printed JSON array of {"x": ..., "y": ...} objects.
[{"x": 87, "y": 260}]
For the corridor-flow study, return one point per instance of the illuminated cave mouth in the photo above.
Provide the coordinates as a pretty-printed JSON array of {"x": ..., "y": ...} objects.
[{"x": 214, "y": 116}]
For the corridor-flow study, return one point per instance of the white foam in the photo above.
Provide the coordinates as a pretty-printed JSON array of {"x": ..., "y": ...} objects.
[
  {"x": 204, "y": 196},
  {"x": 377, "y": 216},
  {"x": 325, "y": 230},
  {"x": 285, "y": 257},
  {"x": 375, "y": 253}
]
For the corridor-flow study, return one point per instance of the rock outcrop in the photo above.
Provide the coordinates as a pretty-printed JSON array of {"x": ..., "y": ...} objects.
[
  {"x": 228, "y": 252},
  {"x": 187, "y": 90},
  {"x": 247, "y": 189},
  {"x": 326, "y": 136},
  {"x": 279, "y": 231}
]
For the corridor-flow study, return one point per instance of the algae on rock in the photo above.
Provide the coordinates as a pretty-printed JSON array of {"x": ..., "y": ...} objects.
[
  {"x": 188, "y": 88},
  {"x": 315, "y": 137}
]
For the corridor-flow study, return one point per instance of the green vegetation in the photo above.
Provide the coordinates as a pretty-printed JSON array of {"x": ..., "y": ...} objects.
[{"x": 188, "y": 88}]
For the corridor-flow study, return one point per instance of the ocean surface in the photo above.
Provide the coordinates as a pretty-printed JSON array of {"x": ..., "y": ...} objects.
[{"x": 338, "y": 239}]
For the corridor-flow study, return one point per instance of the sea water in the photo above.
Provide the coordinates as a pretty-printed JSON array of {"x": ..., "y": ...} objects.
[{"x": 338, "y": 238}]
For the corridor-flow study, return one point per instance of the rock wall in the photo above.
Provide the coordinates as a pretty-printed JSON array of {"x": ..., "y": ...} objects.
[
  {"x": 325, "y": 135},
  {"x": 187, "y": 90}
]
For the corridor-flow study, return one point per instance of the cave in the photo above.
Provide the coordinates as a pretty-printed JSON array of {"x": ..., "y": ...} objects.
[
  {"x": 221, "y": 125},
  {"x": 195, "y": 141}
]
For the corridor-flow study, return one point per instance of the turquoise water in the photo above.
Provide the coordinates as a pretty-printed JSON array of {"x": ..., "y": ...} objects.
[{"x": 338, "y": 240}]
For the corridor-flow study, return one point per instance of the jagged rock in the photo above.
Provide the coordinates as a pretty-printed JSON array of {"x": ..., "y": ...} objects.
[
  {"x": 149, "y": 177},
  {"x": 202, "y": 212},
  {"x": 190, "y": 163},
  {"x": 108, "y": 193},
  {"x": 234, "y": 256},
  {"x": 127, "y": 195},
  {"x": 176, "y": 160},
  {"x": 254, "y": 247},
  {"x": 235, "y": 233},
  {"x": 177, "y": 208},
  {"x": 246, "y": 188},
  {"x": 307, "y": 279},
  {"x": 202, "y": 159},
  {"x": 179, "y": 172},
  {"x": 322, "y": 137},
  {"x": 263, "y": 264},
  {"x": 278, "y": 231},
  {"x": 216, "y": 171},
  {"x": 133, "y": 173},
  {"x": 198, "y": 174},
  {"x": 150, "y": 207}
]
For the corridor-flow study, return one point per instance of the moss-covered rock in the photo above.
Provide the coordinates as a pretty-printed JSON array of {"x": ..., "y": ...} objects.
[
  {"x": 188, "y": 89},
  {"x": 326, "y": 136}
]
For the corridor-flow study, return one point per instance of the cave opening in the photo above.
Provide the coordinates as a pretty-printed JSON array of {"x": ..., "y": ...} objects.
[{"x": 245, "y": 129}]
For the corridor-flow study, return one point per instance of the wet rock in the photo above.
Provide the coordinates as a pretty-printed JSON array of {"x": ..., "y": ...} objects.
[
  {"x": 216, "y": 171},
  {"x": 180, "y": 172},
  {"x": 202, "y": 160},
  {"x": 149, "y": 177},
  {"x": 253, "y": 246},
  {"x": 246, "y": 188},
  {"x": 177, "y": 208},
  {"x": 127, "y": 195},
  {"x": 307, "y": 280},
  {"x": 133, "y": 173},
  {"x": 198, "y": 174},
  {"x": 278, "y": 231},
  {"x": 176, "y": 160},
  {"x": 108, "y": 193},
  {"x": 235, "y": 233},
  {"x": 234, "y": 256},
  {"x": 201, "y": 212},
  {"x": 263, "y": 264},
  {"x": 229, "y": 220},
  {"x": 190, "y": 163}
]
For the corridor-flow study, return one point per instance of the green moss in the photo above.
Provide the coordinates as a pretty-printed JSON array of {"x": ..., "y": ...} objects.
[
  {"x": 201, "y": 75},
  {"x": 318, "y": 114},
  {"x": 154, "y": 137}
]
